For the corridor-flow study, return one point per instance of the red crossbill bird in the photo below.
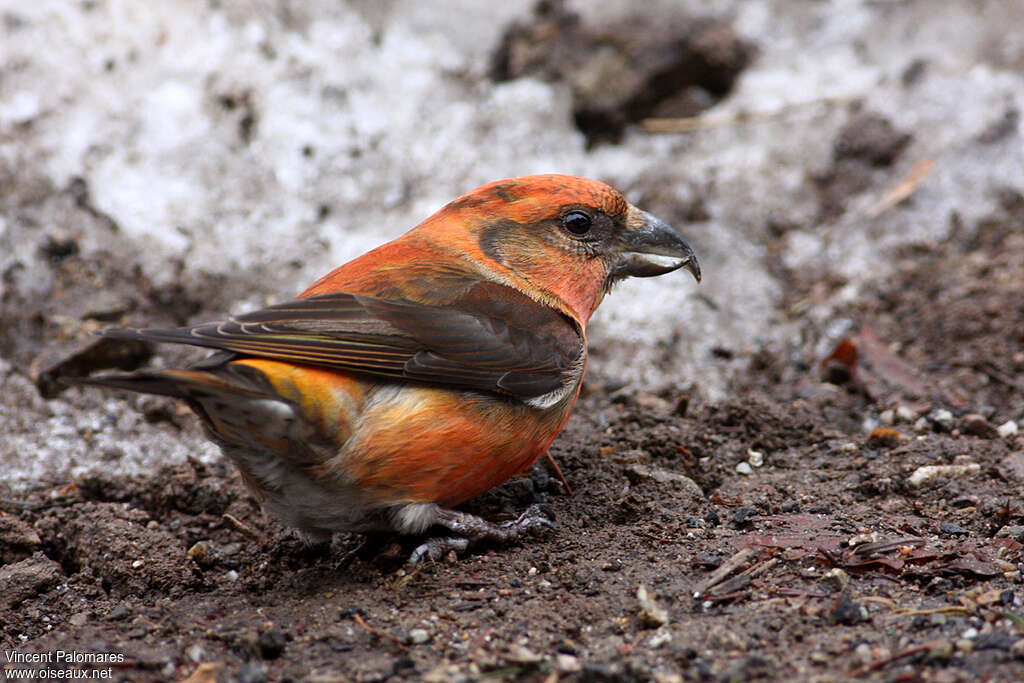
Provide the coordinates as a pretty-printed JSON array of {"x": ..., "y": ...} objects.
[{"x": 425, "y": 371}]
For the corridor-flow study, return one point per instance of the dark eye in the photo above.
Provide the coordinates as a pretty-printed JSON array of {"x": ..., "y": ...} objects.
[{"x": 576, "y": 222}]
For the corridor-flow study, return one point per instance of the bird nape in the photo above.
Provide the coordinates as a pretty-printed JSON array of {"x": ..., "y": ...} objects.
[{"x": 423, "y": 372}]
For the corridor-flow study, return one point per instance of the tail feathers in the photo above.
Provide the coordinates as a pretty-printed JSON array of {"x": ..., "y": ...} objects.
[
  {"x": 213, "y": 376},
  {"x": 174, "y": 383}
]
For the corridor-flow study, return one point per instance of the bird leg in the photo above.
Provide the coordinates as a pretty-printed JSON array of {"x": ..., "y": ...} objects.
[{"x": 473, "y": 529}]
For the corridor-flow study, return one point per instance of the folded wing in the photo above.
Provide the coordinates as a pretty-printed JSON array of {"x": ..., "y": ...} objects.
[{"x": 491, "y": 338}]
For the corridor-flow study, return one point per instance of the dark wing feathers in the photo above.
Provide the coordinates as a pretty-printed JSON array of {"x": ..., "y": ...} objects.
[{"x": 492, "y": 339}]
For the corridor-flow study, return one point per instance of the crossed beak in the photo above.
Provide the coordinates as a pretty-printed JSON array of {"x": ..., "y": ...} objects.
[{"x": 651, "y": 247}]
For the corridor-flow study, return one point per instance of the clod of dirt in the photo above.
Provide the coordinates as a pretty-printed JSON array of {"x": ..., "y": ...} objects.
[
  {"x": 848, "y": 611},
  {"x": 675, "y": 483},
  {"x": 1003, "y": 127},
  {"x": 638, "y": 67},
  {"x": 870, "y": 138},
  {"x": 18, "y": 540},
  {"x": 191, "y": 488},
  {"x": 867, "y": 142},
  {"x": 952, "y": 529},
  {"x": 271, "y": 643},
  {"x": 118, "y": 545},
  {"x": 743, "y": 517},
  {"x": 25, "y": 579},
  {"x": 59, "y": 246},
  {"x": 1013, "y": 466}
]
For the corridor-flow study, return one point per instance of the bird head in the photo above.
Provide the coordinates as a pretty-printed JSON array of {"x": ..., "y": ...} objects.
[
  {"x": 570, "y": 239},
  {"x": 562, "y": 240}
]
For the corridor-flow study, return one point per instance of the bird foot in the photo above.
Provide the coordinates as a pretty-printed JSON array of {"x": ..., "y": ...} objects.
[{"x": 473, "y": 529}]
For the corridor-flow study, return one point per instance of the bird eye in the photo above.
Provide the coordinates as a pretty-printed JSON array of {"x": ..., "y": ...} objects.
[{"x": 576, "y": 222}]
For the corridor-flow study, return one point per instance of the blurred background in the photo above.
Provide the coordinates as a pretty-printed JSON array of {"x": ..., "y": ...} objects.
[{"x": 166, "y": 163}]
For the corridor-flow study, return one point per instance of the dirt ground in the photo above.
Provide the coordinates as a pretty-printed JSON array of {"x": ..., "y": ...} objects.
[
  {"x": 852, "y": 510},
  {"x": 764, "y": 536}
]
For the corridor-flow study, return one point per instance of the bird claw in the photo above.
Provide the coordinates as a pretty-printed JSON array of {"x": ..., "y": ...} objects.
[
  {"x": 436, "y": 548},
  {"x": 534, "y": 517},
  {"x": 475, "y": 529}
]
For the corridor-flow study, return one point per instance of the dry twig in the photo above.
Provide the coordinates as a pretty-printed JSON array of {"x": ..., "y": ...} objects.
[{"x": 358, "y": 618}]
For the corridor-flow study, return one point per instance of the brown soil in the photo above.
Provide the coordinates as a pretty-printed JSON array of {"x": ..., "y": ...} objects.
[{"x": 823, "y": 563}]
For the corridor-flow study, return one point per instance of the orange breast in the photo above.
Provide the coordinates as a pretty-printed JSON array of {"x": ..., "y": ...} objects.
[
  {"x": 422, "y": 444},
  {"x": 408, "y": 443}
]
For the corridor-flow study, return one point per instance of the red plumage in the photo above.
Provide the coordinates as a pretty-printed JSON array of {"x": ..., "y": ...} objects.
[{"x": 426, "y": 371}]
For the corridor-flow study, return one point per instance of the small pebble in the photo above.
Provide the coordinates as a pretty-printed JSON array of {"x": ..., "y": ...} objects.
[
  {"x": 200, "y": 552},
  {"x": 660, "y": 637},
  {"x": 978, "y": 426},
  {"x": 929, "y": 473},
  {"x": 651, "y": 613},
  {"x": 742, "y": 515},
  {"x": 521, "y": 654},
  {"x": 836, "y": 579},
  {"x": 755, "y": 458},
  {"x": 118, "y": 613},
  {"x": 940, "y": 651},
  {"x": 861, "y": 539},
  {"x": 567, "y": 664},
  {"x": 251, "y": 672},
  {"x": 964, "y": 645},
  {"x": 942, "y": 419},
  {"x": 888, "y": 417},
  {"x": 418, "y": 636},
  {"x": 1007, "y": 429},
  {"x": 1011, "y": 531},
  {"x": 744, "y": 468},
  {"x": 905, "y": 414},
  {"x": 951, "y": 529},
  {"x": 921, "y": 425}
]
